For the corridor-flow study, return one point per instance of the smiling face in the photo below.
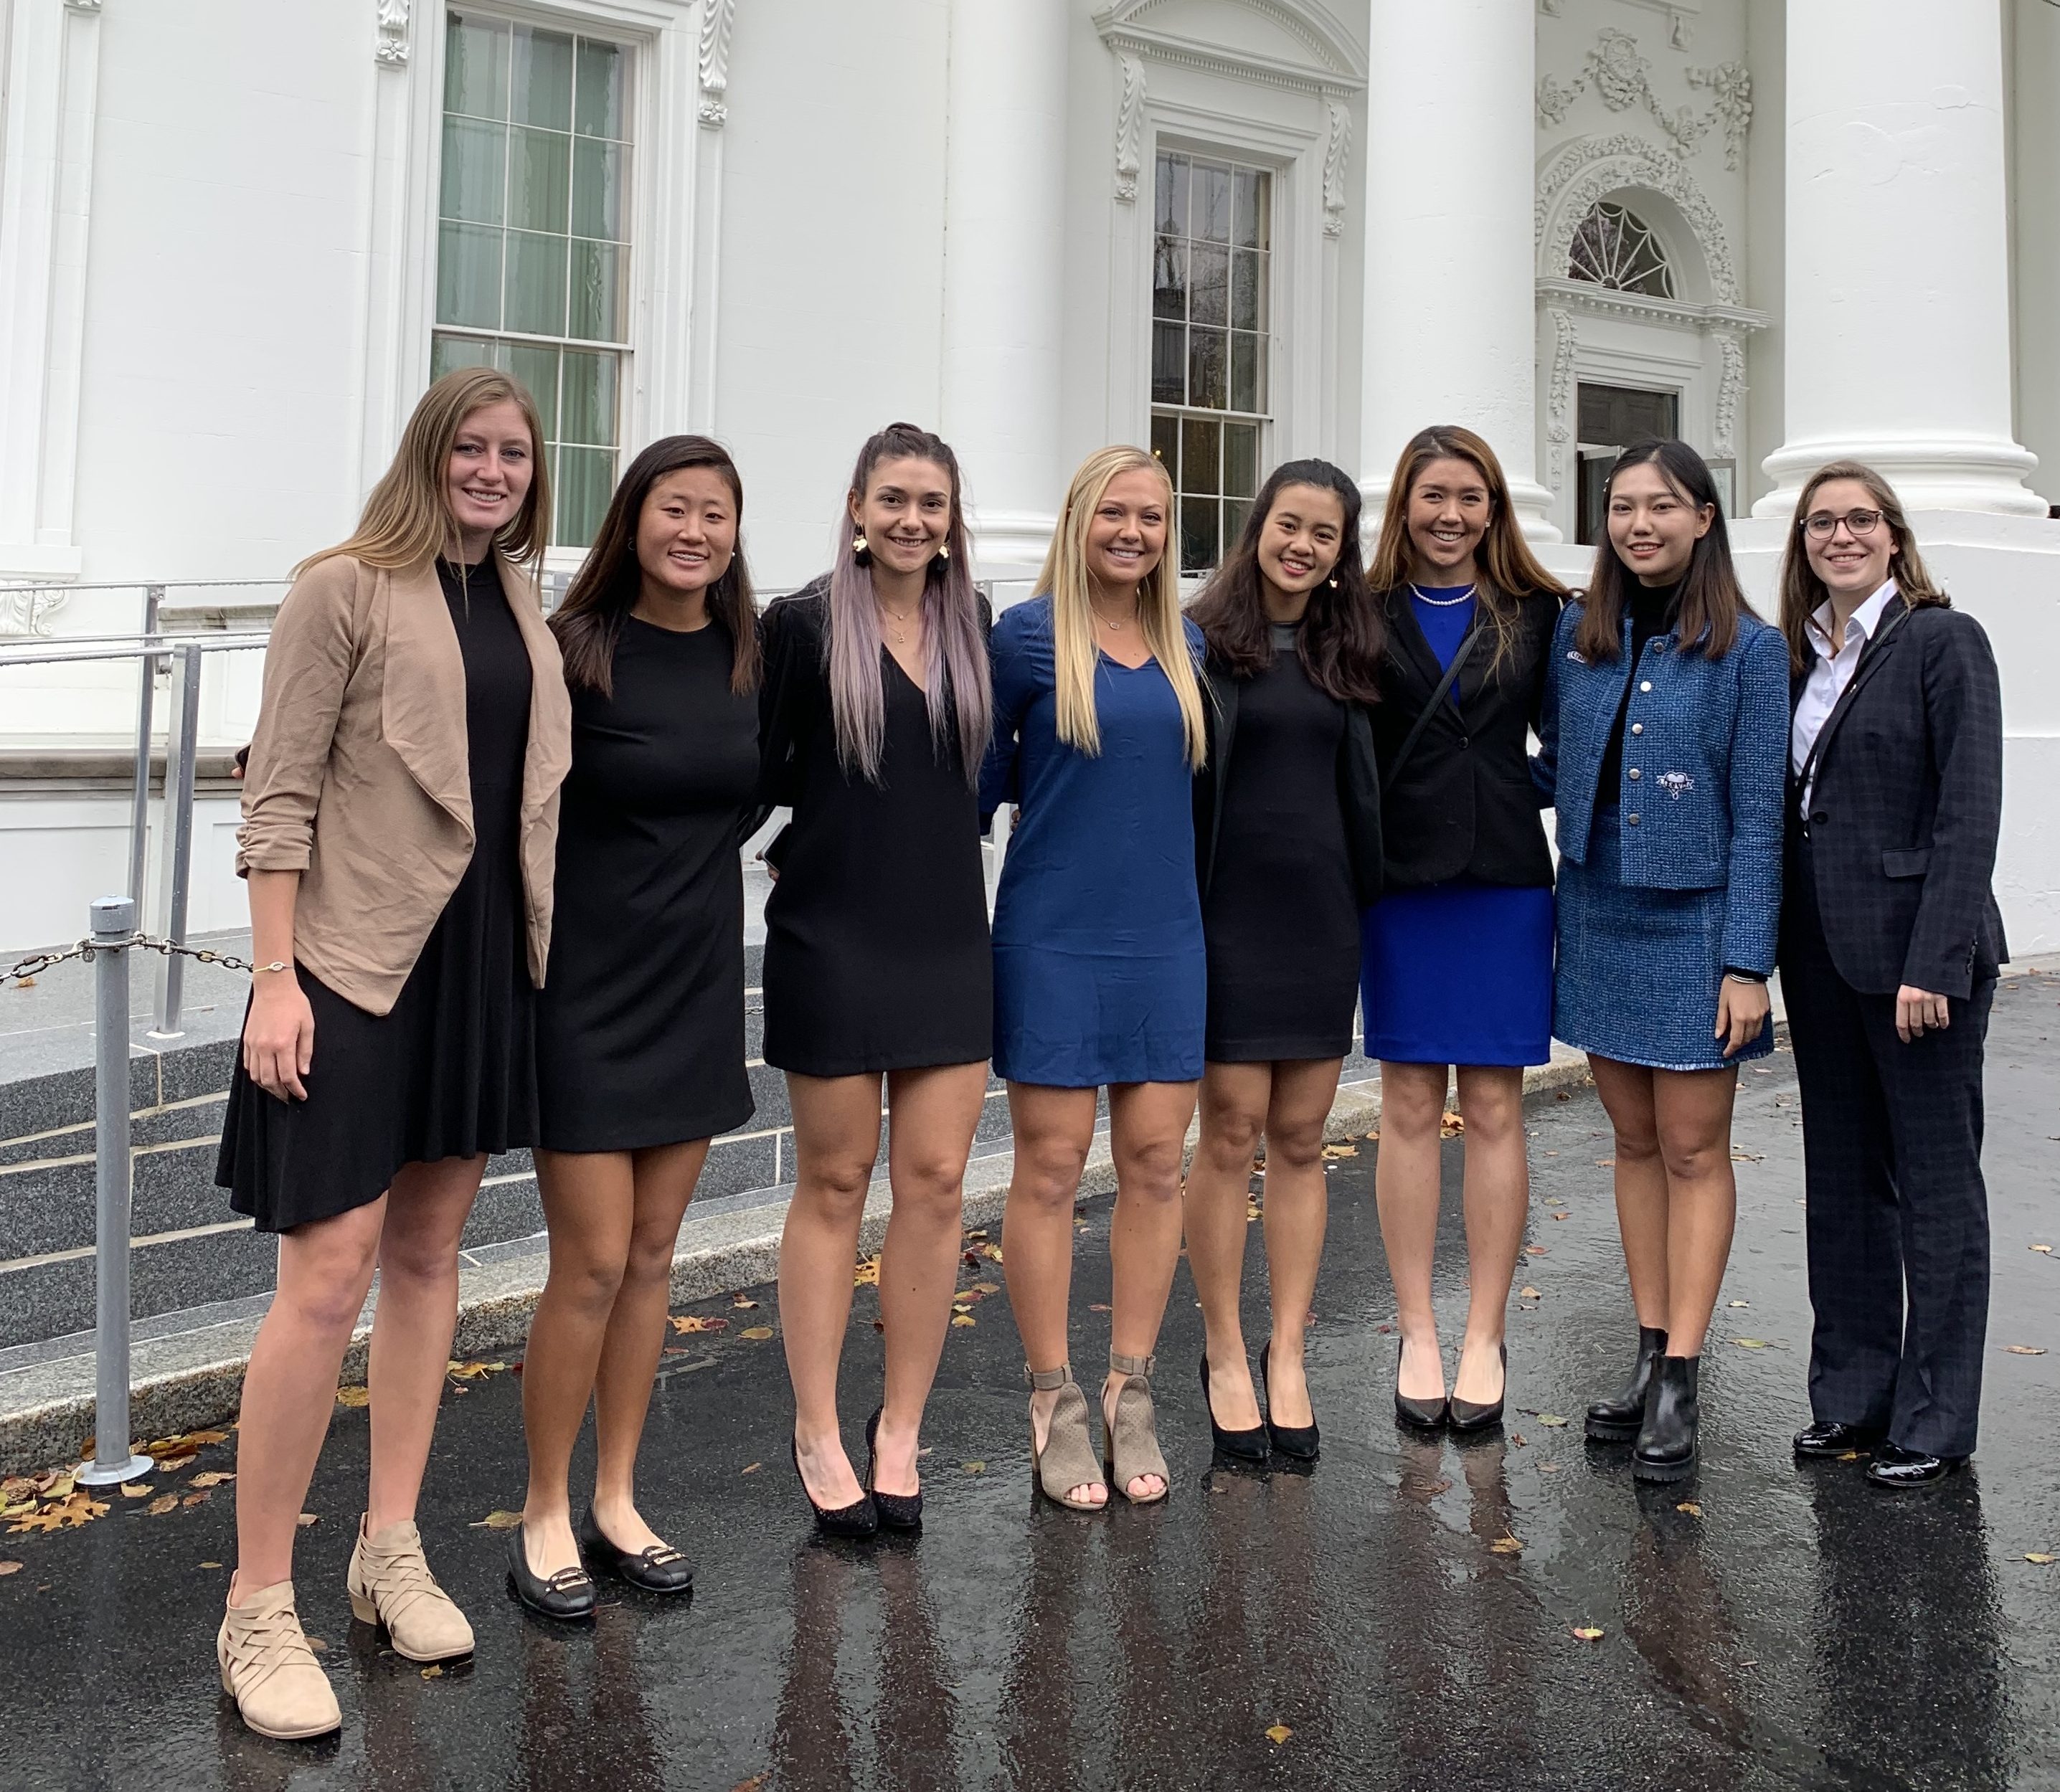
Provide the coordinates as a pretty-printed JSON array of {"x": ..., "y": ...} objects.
[
  {"x": 1304, "y": 534},
  {"x": 686, "y": 534},
  {"x": 1852, "y": 566},
  {"x": 1126, "y": 536},
  {"x": 904, "y": 513},
  {"x": 492, "y": 462},
  {"x": 1653, "y": 528},
  {"x": 1450, "y": 509}
]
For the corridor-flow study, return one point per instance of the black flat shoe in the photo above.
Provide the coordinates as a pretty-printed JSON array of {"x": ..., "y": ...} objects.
[
  {"x": 1666, "y": 1446},
  {"x": 1827, "y": 1438},
  {"x": 859, "y": 1519},
  {"x": 1468, "y": 1416},
  {"x": 567, "y": 1595},
  {"x": 1421, "y": 1416},
  {"x": 1617, "y": 1418},
  {"x": 1893, "y": 1466},
  {"x": 657, "y": 1568},
  {"x": 1248, "y": 1446},
  {"x": 897, "y": 1511},
  {"x": 1300, "y": 1442}
]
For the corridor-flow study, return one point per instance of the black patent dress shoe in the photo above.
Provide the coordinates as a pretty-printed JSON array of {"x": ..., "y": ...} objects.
[
  {"x": 1421, "y": 1415},
  {"x": 656, "y": 1568},
  {"x": 1666, "y": 1449},
  {"x": 1826, "y": 1437},
  {"x": 1469, "y": 1415},
  {"x": 897, "y": 1511},
  {"x": 1246, "y": 1446},
  {"x": 567, "y": 1595},
  {"x": 859, "y": 1519},
  {"x": 1617, "y": 1418},
  {"x": 1893, "y": 1466},
  {"x": 1302, "y": 1443}
]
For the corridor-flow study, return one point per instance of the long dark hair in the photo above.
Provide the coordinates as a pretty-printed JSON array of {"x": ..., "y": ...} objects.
[
  {"x": 1802, "y": 592},
  {"x": 605, "y": 590},
  {"x": 1341, "y": 635},
  {"x": 1711, "y": 599},
  {"x": 1512, "y": 571}
]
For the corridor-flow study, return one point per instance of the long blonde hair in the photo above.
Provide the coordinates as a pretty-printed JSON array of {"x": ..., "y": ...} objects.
[
  {"x": 407, "y": 520},
  {"x": 1065, "y": 577}
]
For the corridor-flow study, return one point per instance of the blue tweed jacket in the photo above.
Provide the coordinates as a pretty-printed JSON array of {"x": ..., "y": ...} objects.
[{"x": 1706, "y": 765}]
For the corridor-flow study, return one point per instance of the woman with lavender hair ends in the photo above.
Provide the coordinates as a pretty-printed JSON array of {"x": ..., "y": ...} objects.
[{"x": 874, "y": 718}]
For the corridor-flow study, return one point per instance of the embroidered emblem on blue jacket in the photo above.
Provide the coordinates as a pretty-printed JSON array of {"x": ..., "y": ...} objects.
[
  {"x": 1577, "y": 656},
  {"x": 1676, "y": 785}
]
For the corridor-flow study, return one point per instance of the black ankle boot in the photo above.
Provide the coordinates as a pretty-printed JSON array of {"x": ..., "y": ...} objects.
[
  {"x": 1666, "y": 1448},
  {"x": 1616, "y": 1419}
]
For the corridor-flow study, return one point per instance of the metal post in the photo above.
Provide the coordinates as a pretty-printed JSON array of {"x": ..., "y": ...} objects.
[
  {"x": 114, "y": 923},
  {"x": 139, "y": 806},
  {"x": 181, "y": 741}
]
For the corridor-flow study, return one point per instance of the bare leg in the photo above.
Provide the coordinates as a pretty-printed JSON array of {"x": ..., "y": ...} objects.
[
  {"x": 1498, "y": 1196},
  {"x": 931, "y": 1117},
  {"x": 1053, "y": 1129},
  {"x": 1626, "y": 1090},
  {"x": 1693, "y": 1109},
  {"x": 1406, "y": 1179},
  {"x": 1233, "y": 1101},
  {"x": 1298, "y": 1207}
]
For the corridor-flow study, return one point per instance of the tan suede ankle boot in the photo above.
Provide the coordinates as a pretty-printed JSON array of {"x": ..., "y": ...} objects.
[
  {"x": 269, "y": 1670},
  {"x": 390, "y": 1584}
]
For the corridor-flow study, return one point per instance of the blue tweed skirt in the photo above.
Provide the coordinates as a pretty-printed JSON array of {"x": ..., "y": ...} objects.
[{"x": 1637, "y": 970}]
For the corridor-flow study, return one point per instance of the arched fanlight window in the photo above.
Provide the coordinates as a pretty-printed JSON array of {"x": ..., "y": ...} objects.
[{"x": 1616, "y": 248}]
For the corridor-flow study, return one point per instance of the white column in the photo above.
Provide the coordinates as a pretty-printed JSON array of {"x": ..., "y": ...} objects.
[
  {"x": 1898, "y": 299},
  {"x": 1004, "y": 202},
  {"x": 1451, "y": 289}
]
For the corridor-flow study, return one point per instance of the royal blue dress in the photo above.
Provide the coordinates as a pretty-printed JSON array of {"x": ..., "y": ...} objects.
[
  {"x": 1100, "y": 971},
  {"x": 1458, "y": 972}
]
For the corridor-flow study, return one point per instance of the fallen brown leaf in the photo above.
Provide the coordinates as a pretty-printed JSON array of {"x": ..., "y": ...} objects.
[
  {"x": 1550, "y": 1419},
  {"x": 345, "y": 1397},
  {"x": 136, "y": 1490},
  {"x": 8, "y": 1568},
  {"x": 2043, "y": 1250},
  {"x": 307, "y": 1519},
  {"x": 2025, "y": 1350},
  {"x": 685, "y": 1322},
  {"x": 753, "y": 1468},
  {"x": 739, "y": 1301},
  {"x": 1536, "y": 1251},
  {"x": 867, "y": 1274},
  {"x": 163, "y": 1504},
  {"x": 1691, "y": 1508},
  {"x": 1528, "y": 1294},
  {"x": 1277, "y": 1734},
  {"x": 1588, "y": 1633},
  {"x": 975, "y": 1466},
  {"x": 432, "y": 1672},
  {"x": 497, "y": 1521},
  {"x": 1749, "y": 1343},
  {"x": 1335, "y": 1152},
  {"x": 2042, "y": 1557},
  {"x": 991, "y": 1252},
  {"x": 964, "y": 1319},
  {"x": 757, "y": 1333},
  {"x": 200, "y": 1499},
  {"x": 214, "y": 1477},
  {"x": 1506, "y": 1546},
  {"x": 171, "y": 1465}
]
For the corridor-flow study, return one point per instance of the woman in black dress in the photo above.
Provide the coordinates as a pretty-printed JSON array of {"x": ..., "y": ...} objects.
[
  {"x": 399, "y": 835},
  {"x": 1287, "y": 852},
  {"x": 640, "y": 1029},
  {"x": 875, "y": 716}
]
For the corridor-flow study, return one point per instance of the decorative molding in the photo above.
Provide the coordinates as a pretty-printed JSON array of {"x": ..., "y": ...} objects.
[
  {"x": 28, "y": 613},
  {"x": 1731, "y": 387},
  {"x": 1337, "y": 155},
  {"x": 1592, "y": 168},
  {"x": 717, "y": 18},
  {"x": 83, "y": 5},
  {"x": 1129, "y": 128},
  {"x": 1333, "y": 64},
  {"x": 1732, "y": 88},
  {"x": 390, "y": 47},
  {"x": 1559, "y": 396},
  {"x": 1584, "y": 298},
  {"x": 1621, "y": 78}
]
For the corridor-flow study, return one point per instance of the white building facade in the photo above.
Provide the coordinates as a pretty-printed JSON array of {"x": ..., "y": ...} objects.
[{"x": 238, "y": 238}]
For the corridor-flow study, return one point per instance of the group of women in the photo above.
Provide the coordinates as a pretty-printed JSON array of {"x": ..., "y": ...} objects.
[{"x": 496, "y": 902}]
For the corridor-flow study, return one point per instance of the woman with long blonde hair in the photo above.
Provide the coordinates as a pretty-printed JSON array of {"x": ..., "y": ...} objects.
[
  {"x": 400, "y": 824},
  {"x": 1099, "y": 972}
]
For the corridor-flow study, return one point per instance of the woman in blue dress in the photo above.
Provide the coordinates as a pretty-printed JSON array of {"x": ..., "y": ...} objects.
[
  {"x": 1099, "y": 975},
  {"x": 1665, "y": 752},
  {"x": 1456, "y": 977}
]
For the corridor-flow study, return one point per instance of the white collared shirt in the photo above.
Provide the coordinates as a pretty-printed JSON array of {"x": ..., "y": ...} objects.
[{"x": 1833, "y": 672}]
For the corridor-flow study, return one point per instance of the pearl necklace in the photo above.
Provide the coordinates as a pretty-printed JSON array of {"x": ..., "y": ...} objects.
[{"x": 1443, "y": 603}]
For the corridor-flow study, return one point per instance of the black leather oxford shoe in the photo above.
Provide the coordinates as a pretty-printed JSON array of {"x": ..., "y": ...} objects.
[
  {"x": 1827, "y": 1437},
  {"x": 1893, "y": 1466}
]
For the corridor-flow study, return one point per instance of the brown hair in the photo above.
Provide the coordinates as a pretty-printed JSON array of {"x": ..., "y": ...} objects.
[
  {"x": 605, "y": 590},
  {"x": 1512, "y": 572},
  {"x": 1802, "y": 592},
  {"x": 1711, "y": 599}
]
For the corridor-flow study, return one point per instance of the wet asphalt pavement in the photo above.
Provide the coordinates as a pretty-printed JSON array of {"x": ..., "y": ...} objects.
[{"x": 1763, "y": 1626}]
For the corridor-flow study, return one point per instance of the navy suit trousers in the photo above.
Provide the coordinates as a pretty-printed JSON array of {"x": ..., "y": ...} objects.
[{"x": 1898, "y": 1224}]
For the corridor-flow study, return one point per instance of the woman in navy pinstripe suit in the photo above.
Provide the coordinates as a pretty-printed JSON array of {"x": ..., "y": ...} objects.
[{"x": 1666, "y": 719}]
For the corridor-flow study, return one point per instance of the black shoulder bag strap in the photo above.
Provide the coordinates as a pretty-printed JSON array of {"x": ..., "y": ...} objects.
[{"x": 1438, "y": 697}]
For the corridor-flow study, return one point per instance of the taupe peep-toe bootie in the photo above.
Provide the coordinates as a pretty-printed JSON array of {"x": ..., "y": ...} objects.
[
  {"x": 1068, "y": 1459},
  {"x": 1133, "y": 1446}
]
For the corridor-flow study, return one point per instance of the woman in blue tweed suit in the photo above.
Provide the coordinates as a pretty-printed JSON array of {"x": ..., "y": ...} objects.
[{"x": 1664, "y": 730}]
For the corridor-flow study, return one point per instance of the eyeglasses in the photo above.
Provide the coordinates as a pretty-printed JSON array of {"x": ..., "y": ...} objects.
[{"x": 1822, "y": 523}]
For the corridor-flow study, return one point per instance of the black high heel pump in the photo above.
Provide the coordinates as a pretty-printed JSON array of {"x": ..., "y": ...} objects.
[
  {"x": 897, "y": 1511},
  {"x": 861, "y": 1518},
  {"x": 1248, "y": 1446},
  {"x": 1300, "y": 1442}
]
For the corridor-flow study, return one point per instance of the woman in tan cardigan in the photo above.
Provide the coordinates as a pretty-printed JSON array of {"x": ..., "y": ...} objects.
[{"x": 399, "y": 837}]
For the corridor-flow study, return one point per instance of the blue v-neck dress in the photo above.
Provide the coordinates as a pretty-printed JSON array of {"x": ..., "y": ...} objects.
[{"x": 1100, "y": 971}]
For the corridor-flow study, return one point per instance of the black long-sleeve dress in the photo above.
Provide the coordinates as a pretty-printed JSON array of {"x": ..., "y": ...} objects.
[
  {"x": 640, "y": 1022},
  {"x": 876, "y": 950}
]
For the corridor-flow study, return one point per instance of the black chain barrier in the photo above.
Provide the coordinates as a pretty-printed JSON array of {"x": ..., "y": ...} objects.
[{"x": 141, "y": 942}]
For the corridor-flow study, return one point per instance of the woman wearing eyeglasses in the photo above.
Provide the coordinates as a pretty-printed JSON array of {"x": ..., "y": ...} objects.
[{"x": 1890, "y": 944}]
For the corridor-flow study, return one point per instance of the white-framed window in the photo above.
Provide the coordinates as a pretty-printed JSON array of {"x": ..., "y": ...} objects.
[
  {"x": 1211, "y": 341},
  {"x": 1614, "y": 248},
  {"x": 532, "y": 265}
]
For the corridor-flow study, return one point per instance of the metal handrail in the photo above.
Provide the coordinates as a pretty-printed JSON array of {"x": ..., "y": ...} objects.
[{"x": 142, "y": 584}]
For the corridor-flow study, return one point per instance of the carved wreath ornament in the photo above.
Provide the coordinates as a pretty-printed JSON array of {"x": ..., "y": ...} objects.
[{"x": 1622, "y": 78}]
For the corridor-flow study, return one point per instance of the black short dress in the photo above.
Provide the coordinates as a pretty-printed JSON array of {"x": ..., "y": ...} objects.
[
  {"x": 451, "y": 1070},
  {"x": 1280, "y": 919},
  {"x": 639, "y": 1026},
  {"x": 876, "y": 950}
]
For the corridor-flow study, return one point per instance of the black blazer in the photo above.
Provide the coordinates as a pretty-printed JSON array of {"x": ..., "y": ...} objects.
[
  {"x": 1463, "y": 804},
  {"x": 1907, "y": 806},
  {"x": 1358, "y": 785}
]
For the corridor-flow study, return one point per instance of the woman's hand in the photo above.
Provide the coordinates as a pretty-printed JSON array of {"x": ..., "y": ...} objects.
[
  {"x": 279, "y": 1036},
  {"x": 1742, "y": 1011},
  {"x": 1917, "y": 1009}
]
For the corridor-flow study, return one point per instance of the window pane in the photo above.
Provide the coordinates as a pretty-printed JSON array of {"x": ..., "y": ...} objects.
[
  {"x": 1198, "y": 534},
  {"x": 468, "y": 276},
  {"x": 1210, "y": 271},
  {"x": 601, "y": 112},
  {"x": 1263, "y": 191},
  {"x": 1205, "y": 368},
  {"x": 1169, "y": 385},
  {"x": 543, "y": 92},
  {"x": 535, "y": 285},
  {"x": 537, "y": 369},
  {"x": 476, "y": 67},
  {"x": 1201, "y": 453},
  {"x": 585, "y": 477},
  {"x": 590, "y": 397},
  {"x": 1235, "y": 514},
  {"x": 1247, "y": 386},
  {"x": 1169, "y": 278},
  {"x": 1245, "y": 219},
  {"x": 1166, "y": 444},
  {"x": 539, "y": 181},
  {"x": 1211, "y": 202},
  {"x": 1240, "y": 459},
  {"x": 600, "y": 293},
  {"x": 597, "y": 190},
  {"x": 474, "y": 171},
  {"x": 1246, "y": 270},
  {"x": 447, "y": 352},
  {"x": 1172, "y": 195}
]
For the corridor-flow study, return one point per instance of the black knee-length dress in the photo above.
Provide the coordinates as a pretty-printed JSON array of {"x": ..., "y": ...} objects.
[
  {"x": 641, "y": 1021},
  {"x": 451, "y": 1070},
  {"x": 877, "y": 951}
]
